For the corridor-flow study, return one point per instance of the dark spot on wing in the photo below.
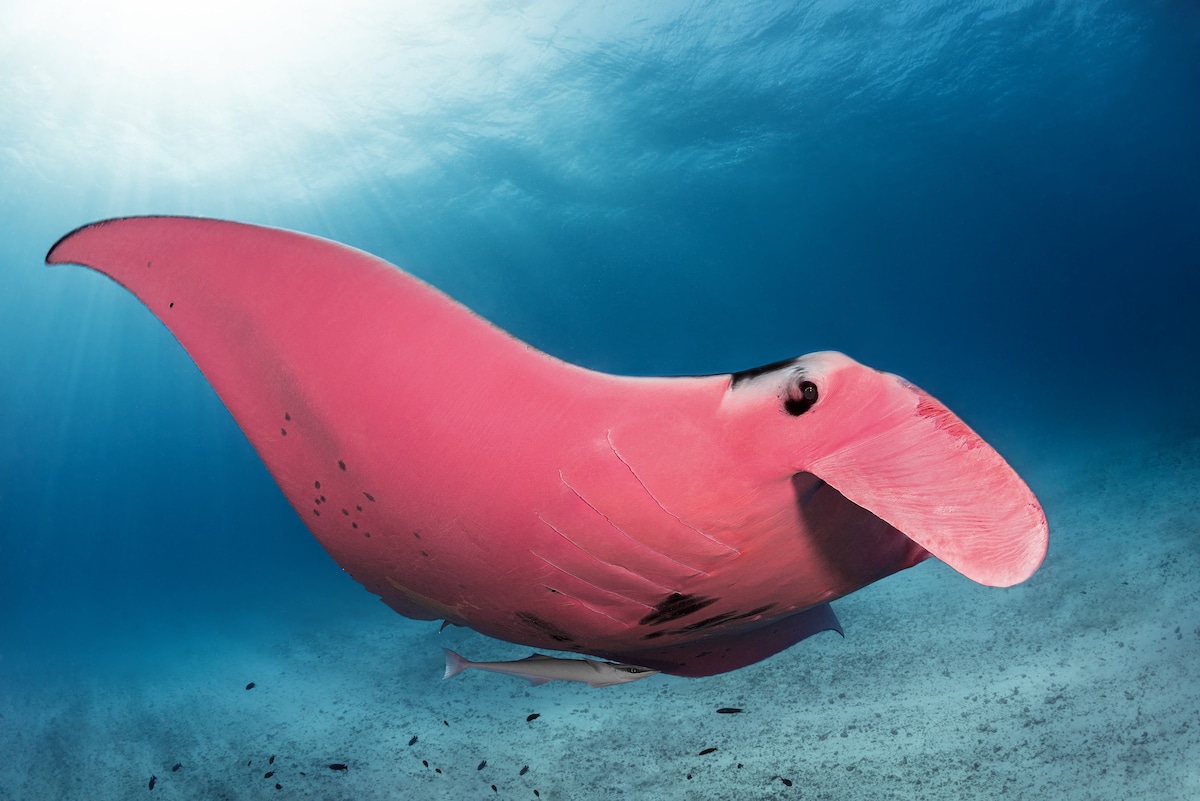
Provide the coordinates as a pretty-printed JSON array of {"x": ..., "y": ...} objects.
[
  {"x": 544, "y": 627},
  {"x": 675, "y": 606},
  {"x": 709, "y": 622},
  {"x": 755, "y": 372}
]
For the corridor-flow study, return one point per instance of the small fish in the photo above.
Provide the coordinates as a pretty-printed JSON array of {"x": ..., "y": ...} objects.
[
  {"x": 271, "y": 761},
  {"x": 153, "y": 779},
  {"x": 176, "y": 766},
  {"x": 728, "y": 710},
  {"x": 268, "y": 774},
  {"x": 707, "y": 751},
  {"x": 413, "y": 741},
  {"x": 482, "y": 765},
  {"x": 338, "y": 766},
  {"x": 278, "y": 786},
  {"x": 524, "y": 770},
  {"x": 425, "y": 762},
  {"x": 539, "y": 669},
  {"x": 534, "y": 716},
  {"x": 250, "y": 686}
]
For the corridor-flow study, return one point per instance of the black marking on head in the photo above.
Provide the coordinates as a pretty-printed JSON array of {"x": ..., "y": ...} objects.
[
  {"x": 544, "y": 627},
  {"x": 801, "y": 398},
  {"x": 755, "y": 372},
  {"x": 342, "y": 465},
  {"x": 675, "y": 606},
  {"x": 369, "y": 497}
]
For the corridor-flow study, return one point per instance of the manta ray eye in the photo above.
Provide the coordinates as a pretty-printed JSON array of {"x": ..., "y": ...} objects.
[{"x": 802, "y": 399}]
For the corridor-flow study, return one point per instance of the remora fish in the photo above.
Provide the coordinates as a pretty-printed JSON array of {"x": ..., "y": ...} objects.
[{"x": 539, "y": 669}]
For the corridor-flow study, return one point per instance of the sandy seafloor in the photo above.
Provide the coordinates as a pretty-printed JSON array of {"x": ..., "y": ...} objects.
[{"x": 1082, "y": 683}]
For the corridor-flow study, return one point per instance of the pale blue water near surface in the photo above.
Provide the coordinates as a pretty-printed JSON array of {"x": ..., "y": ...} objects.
[{"x": 997, "y": 200}]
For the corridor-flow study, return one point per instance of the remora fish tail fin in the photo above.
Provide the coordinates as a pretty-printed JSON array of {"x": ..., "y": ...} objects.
[
  {"x": 925, "y": 472},
  {"x": 455, "y": 664}
]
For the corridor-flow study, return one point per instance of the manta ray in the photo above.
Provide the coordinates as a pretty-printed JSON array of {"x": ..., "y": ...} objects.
[{"x": 691, "y": 525}]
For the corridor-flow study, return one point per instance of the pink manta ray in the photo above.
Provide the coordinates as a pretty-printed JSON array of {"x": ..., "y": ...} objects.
[{"x": 690, "y": 525}]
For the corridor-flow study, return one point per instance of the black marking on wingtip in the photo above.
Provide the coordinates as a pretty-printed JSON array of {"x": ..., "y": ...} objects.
[{"x": 110, "y": 221}]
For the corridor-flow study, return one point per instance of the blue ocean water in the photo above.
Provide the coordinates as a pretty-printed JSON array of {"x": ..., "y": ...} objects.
[{"x": 997, "y": 200}]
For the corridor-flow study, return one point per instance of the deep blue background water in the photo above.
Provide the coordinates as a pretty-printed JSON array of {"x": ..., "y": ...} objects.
[{"x": 998, "y": 200}]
